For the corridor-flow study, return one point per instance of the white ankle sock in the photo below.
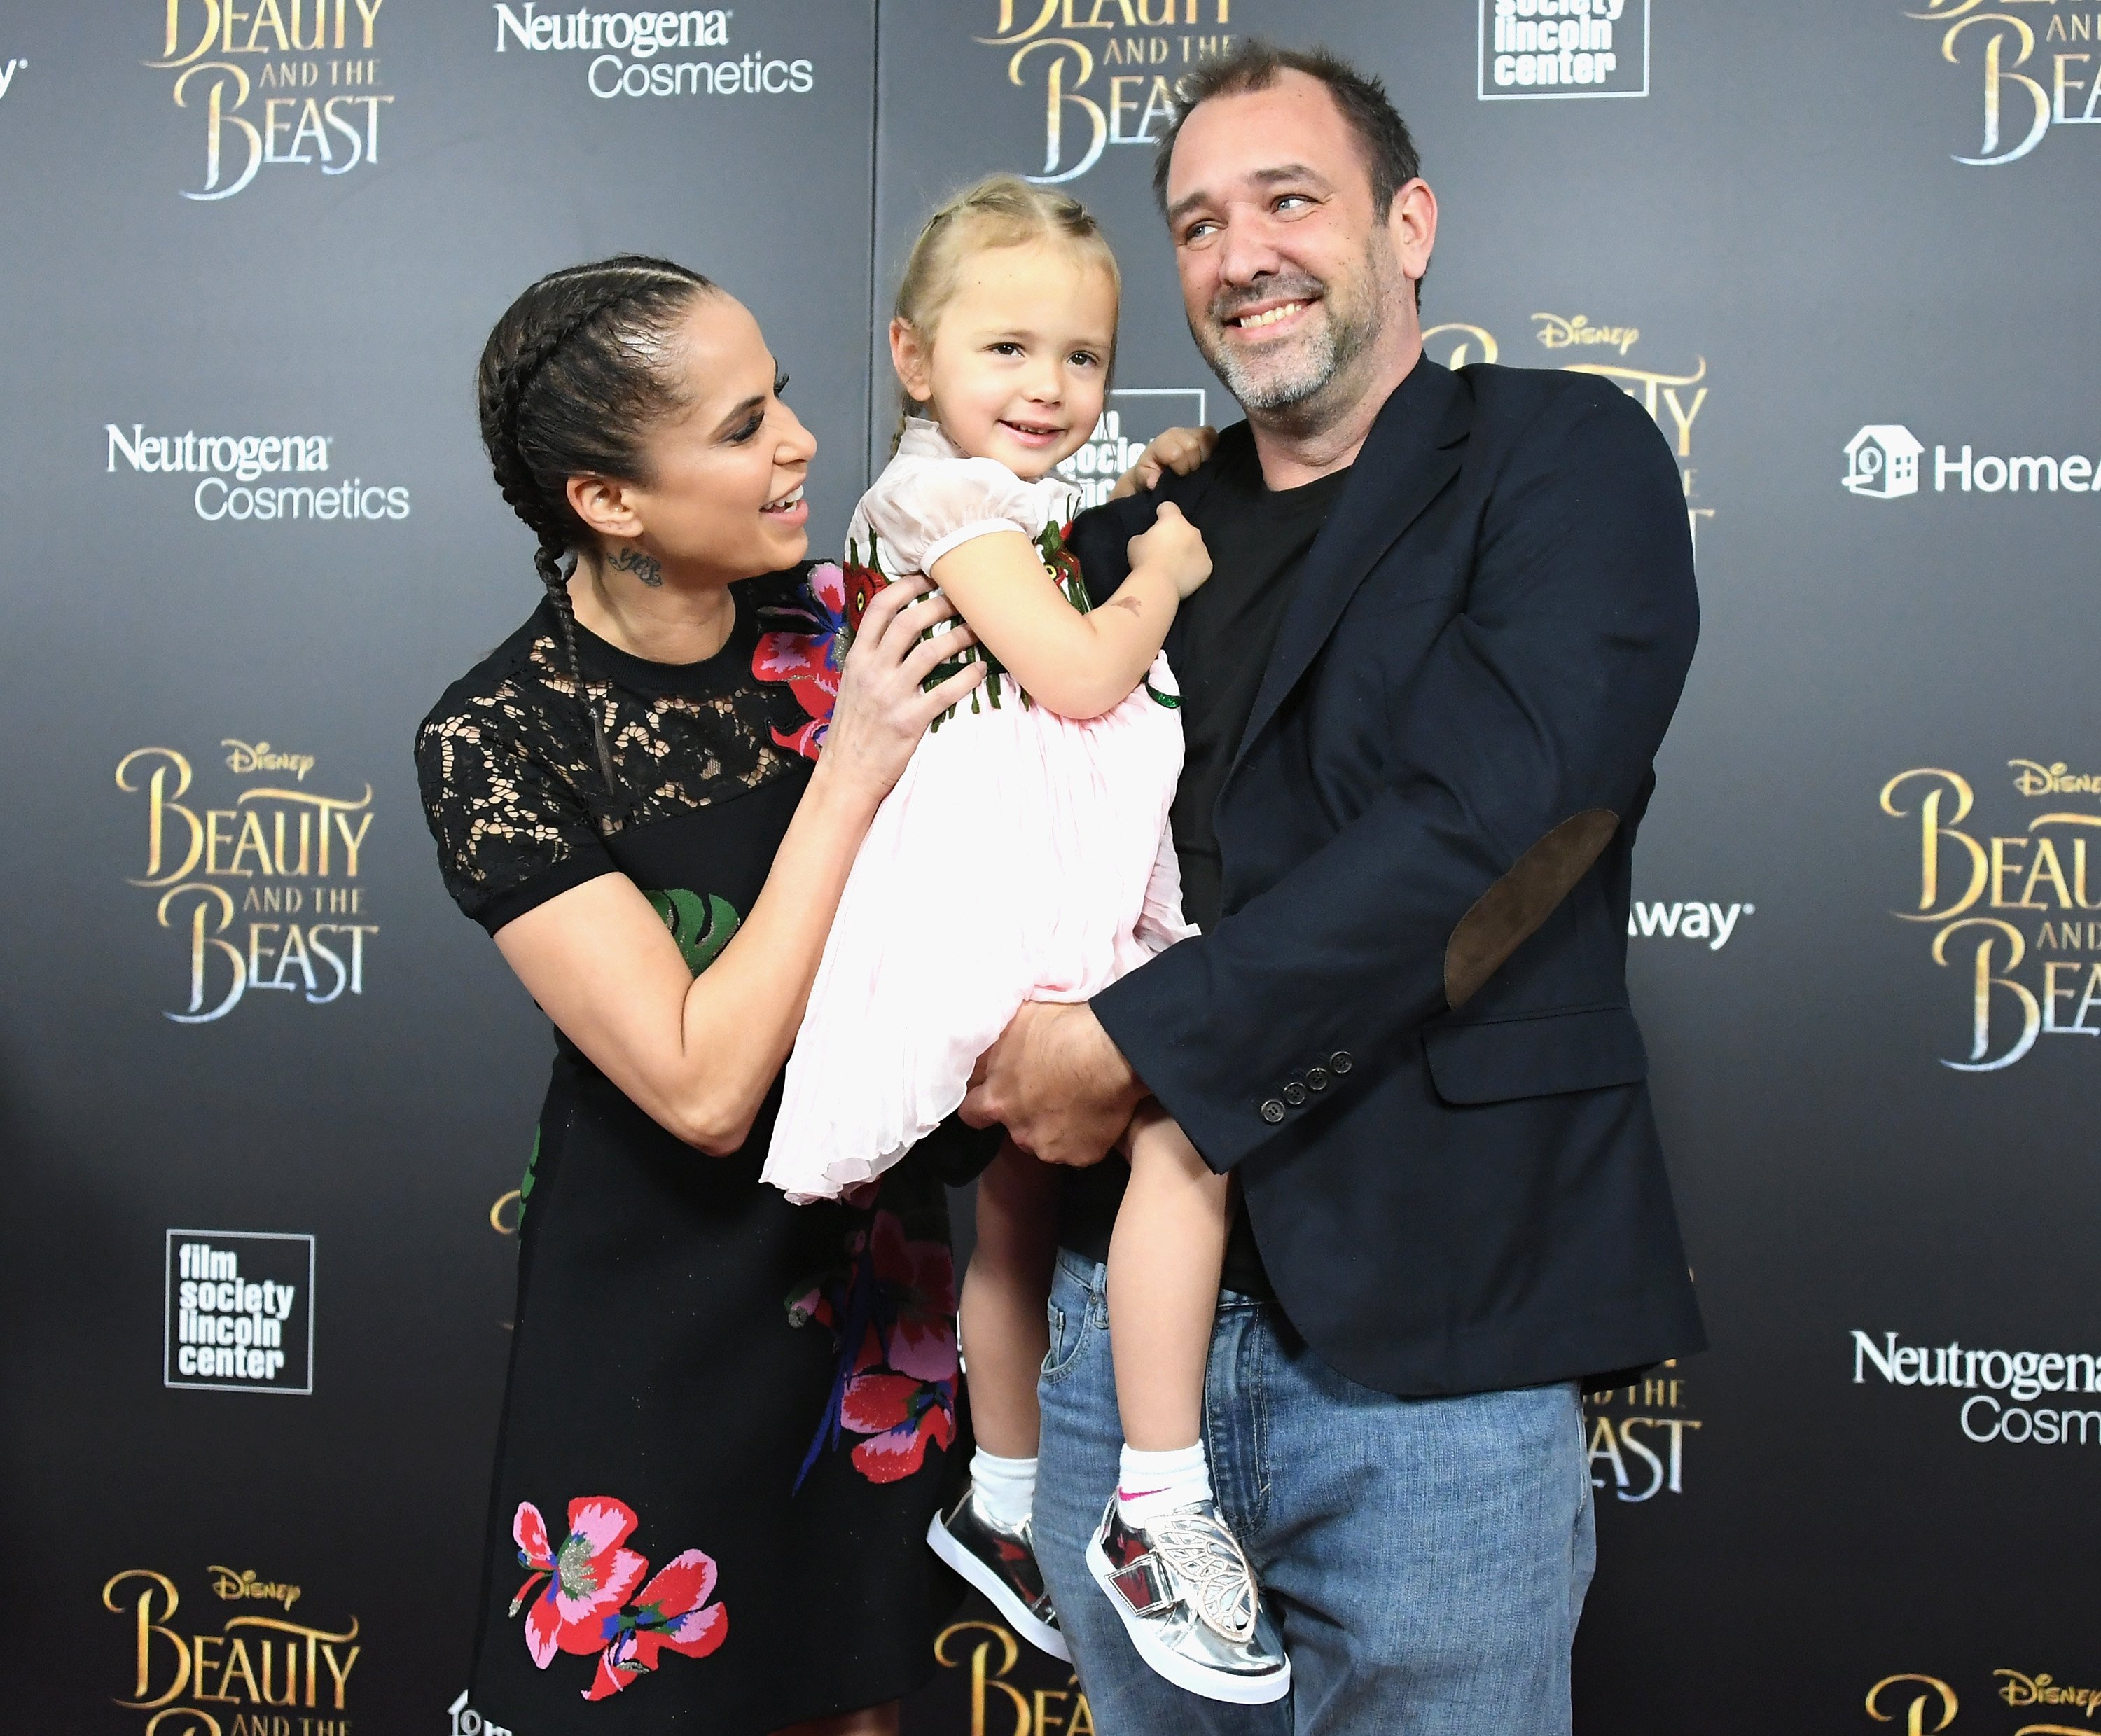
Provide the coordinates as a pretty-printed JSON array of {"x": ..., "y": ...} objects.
[
  {"x": 1150, "y": 1484},
  {"x": 1005, "y": 1486}
]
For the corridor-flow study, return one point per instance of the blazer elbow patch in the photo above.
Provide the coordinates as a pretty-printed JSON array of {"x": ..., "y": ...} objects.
[{"x": 1507, "y": 914}]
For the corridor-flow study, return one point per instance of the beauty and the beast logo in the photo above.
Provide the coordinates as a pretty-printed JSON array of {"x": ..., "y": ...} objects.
[
  {"x": 1674, "y": 398},
  {"x": 1041, "y": 1698},
  {"x": 1994, "y": 41},
  {"x": 1921, "y": 1705},
  {"x": 264, "y": 890},
  {"x": 2011, "y": 912},
  {"x": 1054, "y": 48},
  {"x": 289, "y": 82},
  {"x": 1637, "y": 1436},
  {"x": 259, "y": 1674}
]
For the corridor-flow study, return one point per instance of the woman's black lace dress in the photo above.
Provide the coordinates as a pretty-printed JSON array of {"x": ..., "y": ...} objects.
[{"x": 728, "y": 1419}]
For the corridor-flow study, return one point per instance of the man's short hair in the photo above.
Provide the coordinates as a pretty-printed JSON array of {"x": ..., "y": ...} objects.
[{"x": 1389, "y": 151}]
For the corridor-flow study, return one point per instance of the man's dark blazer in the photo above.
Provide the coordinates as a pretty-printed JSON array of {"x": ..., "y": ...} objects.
[{"x": 1409, "y": 1035}]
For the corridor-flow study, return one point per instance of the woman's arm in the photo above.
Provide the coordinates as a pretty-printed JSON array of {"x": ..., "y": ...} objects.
[
  {"x": 699, "y": 1054},
  {"x": 1079, "y": 665}
]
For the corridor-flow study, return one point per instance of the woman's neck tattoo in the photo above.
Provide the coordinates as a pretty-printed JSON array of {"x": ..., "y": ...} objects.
[{"x": 646, "y": 568}]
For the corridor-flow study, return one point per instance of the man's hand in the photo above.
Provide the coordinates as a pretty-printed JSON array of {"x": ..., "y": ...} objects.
[
  {"x": 1180, "y": 450},
  {"x": 1063, "y": 1090}
]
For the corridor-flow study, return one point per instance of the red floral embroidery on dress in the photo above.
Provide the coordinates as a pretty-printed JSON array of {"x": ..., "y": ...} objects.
[
  {"x": 589, "y": 1576},
  {"x": 892, "y": 1313},
  {"x": 805, "y": 648}
]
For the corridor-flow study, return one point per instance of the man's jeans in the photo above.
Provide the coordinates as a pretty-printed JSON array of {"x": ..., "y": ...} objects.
[{"x": 1426, "y": 1559}]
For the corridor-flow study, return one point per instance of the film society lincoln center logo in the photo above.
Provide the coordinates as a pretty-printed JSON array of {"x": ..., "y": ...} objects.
[
  {"x": 1535, "y": 49},
  {"x": 240, "y": 1311},
  {"x": 281, "y": 84}
]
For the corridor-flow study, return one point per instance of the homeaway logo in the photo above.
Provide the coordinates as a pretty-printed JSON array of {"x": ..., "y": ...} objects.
[
  {"x": 1884, "y": 462},
  {"x": 1686, "y": 921},
  {"x": 1881, "y": 460}
]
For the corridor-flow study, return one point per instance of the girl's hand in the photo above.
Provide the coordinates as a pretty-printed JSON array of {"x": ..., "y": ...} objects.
[
  {"x": 882, "y": 711},
  {"x": 1180, "y": 450},
  {"x": 1173, "y": 546}
]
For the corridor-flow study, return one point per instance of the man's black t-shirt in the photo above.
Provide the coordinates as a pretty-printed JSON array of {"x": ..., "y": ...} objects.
[{"x": 1219, "y": 648}]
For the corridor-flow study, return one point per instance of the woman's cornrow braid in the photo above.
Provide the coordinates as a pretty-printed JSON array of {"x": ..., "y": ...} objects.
[{"x": 570, "y": 381}]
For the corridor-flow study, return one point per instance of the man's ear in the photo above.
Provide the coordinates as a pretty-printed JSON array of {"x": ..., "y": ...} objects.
[
  {"x": 604, "y": 504},
  {"x": 1412, "y": 224},
  {"x": 912, "y": 357}
]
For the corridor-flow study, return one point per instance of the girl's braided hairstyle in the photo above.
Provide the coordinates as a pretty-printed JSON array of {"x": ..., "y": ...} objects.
[{"x": 573, "y": 377}]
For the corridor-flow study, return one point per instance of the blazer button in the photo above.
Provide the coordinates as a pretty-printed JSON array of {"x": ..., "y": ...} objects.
[
  {"x": 1340, "y": 1062},
  {"x": 1316, "y": 1079},
  {"x": 1294, "y": 1093},
  {"x": 1273, "y": 1111}
]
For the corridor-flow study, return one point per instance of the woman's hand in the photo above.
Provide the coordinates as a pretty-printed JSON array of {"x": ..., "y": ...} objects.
[
  {"x": 698, "y": 1054},
  {"x": 1180, "y": 450},
  {"x": 1173, "y": 546},
  {"x": 883, "y": 709}
]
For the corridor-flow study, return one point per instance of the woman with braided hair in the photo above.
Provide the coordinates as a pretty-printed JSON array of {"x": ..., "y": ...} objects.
[{"x": 728, "y": 1418}]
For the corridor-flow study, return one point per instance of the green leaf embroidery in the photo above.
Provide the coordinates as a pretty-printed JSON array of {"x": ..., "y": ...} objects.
[
  {"x": 525, "y": 1185},
  {"x": 702, "y": 927}
]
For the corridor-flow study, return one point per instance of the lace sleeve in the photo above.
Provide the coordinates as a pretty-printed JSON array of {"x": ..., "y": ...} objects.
[{"x": 510, "y": 832}]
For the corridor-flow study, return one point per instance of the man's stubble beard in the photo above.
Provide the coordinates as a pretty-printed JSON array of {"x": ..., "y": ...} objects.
[{"x": 1305, "y": 390}]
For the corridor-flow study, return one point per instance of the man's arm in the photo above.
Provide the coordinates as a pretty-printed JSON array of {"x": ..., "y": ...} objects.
[{"x": 1526, "y": 732}]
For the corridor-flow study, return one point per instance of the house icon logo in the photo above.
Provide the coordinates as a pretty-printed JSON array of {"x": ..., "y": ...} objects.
[{"x": 1881, "y": 461}]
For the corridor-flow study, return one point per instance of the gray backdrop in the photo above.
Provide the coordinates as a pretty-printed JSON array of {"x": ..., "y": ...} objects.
[{"x": 1761, "y": 217}]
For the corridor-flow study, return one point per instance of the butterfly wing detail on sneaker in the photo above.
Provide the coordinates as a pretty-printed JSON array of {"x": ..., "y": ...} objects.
[
  {"x": 1208, "y": 1560},
  {"x": 1186, "y": 1596}
]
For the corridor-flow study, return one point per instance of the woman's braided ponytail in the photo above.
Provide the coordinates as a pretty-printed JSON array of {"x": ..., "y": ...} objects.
[{"x": 570, "y": 381}]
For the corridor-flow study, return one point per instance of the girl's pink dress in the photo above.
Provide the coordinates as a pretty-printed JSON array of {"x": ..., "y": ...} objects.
[{"x": 1023, "y": 856}]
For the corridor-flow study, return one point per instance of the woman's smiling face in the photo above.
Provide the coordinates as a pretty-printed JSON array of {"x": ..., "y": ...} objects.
[
  {"x": 724, "y": 485},
  {"x": 1019, "y": 361}
]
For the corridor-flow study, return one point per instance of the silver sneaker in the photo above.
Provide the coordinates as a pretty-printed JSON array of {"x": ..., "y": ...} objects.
[
  {"x": 1189, "y": 1601},
  {"x": 1000, "y": 1560}
]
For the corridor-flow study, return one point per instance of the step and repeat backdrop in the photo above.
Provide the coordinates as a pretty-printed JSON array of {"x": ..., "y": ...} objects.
[{"x": 265, "y": 1098}]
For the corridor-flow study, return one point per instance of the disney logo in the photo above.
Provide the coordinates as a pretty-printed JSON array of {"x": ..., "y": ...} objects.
[
  {"x": 233, "y": 1586},
  {"x": 2031, "y": 778},
  {"x": 2045, "y": 1690},
  {"x": 261, "y": 757},
  {"x": 1558, "y": 334}
]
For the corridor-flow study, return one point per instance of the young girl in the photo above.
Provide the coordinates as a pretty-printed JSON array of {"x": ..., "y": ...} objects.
[{"x": 1024, "y": 855}]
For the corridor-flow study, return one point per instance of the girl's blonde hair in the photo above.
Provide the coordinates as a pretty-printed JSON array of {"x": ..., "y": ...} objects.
[{"x": 1001, "y": 210}]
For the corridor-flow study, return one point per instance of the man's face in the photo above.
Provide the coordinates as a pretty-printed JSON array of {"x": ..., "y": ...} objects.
[{"x": 1288, "y": 276}]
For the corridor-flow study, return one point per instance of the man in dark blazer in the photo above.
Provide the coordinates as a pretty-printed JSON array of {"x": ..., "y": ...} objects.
[{"x": 1450, "y": 620}]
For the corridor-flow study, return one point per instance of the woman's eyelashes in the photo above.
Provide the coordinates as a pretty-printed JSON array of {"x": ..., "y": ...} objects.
[{"x": 758, "y": 419}]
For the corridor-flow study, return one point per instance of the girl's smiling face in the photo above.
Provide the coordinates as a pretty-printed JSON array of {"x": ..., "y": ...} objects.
[{"x": 1018, "y": 364}]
